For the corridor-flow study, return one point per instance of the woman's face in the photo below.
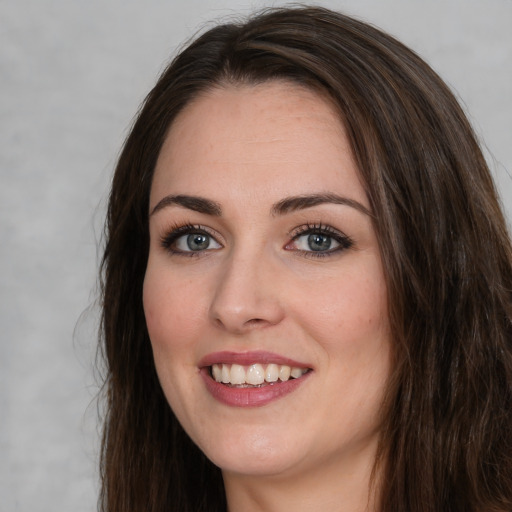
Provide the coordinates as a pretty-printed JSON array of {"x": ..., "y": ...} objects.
[{"x": 264, "y": 294}]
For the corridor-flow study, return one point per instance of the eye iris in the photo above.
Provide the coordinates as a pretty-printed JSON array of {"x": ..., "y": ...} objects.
[
  {"x": 198, "y": 241},
  {"x": 319, "y": 242}
]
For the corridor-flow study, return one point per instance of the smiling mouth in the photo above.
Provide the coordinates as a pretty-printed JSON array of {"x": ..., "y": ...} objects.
[{"x": 255, "y": 375}]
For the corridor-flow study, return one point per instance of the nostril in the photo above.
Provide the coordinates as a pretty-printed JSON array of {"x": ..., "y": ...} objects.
[
  {"x": 254, "y": 321},
  {"x": 248, "y": 324},
  {"x": 241, "y": 308}
]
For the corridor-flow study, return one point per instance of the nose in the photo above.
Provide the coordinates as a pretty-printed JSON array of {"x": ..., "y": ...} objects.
[{"x": 246, "y": 295}]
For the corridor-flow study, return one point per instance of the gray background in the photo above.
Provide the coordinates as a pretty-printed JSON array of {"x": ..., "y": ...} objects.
[{"x": 72, "y": 75}]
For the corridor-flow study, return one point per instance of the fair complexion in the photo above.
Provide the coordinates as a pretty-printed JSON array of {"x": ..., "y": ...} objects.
[{"x": 263, "y": 258}]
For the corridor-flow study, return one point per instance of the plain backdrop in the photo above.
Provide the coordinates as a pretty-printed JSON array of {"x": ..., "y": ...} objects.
[{"x": 72, "y": 76}]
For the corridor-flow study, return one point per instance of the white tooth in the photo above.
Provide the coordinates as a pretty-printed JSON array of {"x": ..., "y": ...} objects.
[
  {"x": 272, "y": 373},
  {"x": 255, "y": 375},
  {"x": 217, "y": 372},
  {"x": 296, "y": 373},
  {"x": 237, "y": 374},
  {"x": 226, "y": 374},
  {"x": 284, "y": 372}
]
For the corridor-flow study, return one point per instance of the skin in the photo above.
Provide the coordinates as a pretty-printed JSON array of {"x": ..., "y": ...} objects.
[{"x": 259, "y": 286}]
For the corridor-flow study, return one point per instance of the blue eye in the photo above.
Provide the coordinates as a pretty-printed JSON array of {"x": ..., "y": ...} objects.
[
  {"x": 189, "y": 239},
  {"x": 318, "y": 240},
  {"x": 195, "y": 242}
]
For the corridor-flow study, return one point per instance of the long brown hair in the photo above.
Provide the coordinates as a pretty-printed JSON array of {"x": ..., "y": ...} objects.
[{"x": 446, "y": 441}]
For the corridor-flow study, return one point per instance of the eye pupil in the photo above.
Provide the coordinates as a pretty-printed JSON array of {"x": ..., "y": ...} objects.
[
  {"x": 198, "y": 241},
  {"x": 319, "y": 242}
]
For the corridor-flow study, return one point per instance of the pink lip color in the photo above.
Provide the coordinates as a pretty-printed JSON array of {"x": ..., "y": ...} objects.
[
  {"x": 247, "y": 358},
  {"x": 249, "y": 397},
  {"x": 252, "y": 396}
]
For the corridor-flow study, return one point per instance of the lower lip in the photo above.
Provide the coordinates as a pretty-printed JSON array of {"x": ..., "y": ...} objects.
[{"x": 250, "y": 397}]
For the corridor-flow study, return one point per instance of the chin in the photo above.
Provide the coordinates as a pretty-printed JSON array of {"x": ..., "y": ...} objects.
[{"x": 253, "y": 453}]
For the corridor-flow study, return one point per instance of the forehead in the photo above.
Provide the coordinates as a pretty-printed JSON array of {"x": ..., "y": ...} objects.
[{"x": 256, "y": 137}]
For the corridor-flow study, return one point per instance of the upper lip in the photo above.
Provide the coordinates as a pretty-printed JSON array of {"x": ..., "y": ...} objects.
[{"x": 248, "y": 358}]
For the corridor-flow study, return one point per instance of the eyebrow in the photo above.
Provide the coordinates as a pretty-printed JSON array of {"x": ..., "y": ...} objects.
[
  {"x": 196, "y": 203},
  {"x": 294, "y": 203},
  {"x": 286, "y": 205}
]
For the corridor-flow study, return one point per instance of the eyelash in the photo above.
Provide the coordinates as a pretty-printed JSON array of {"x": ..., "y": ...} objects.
[
  {"x": 174, "y": 233},
  {"x": 344, "y": 241}
]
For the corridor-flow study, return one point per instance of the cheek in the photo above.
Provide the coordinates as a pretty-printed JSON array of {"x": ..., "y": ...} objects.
[
  {"x": 172, "y": 309},
  {"x": 350, "y": 308},
  {"x": 173, "y": 331}
]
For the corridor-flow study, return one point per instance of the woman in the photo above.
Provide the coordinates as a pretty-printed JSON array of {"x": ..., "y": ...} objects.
[{"x": 307, "y": 284}]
